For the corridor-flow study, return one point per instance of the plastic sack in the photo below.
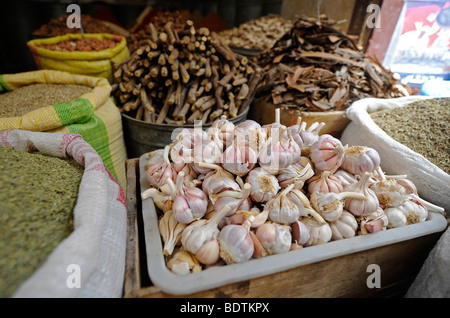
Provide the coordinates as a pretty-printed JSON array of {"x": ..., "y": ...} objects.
[
  {"x": 97, "y": 244},
  {"x": 432, "y": 183},
  {"x": 96, "y": 63},
  {"x": 94, "y": 115}
]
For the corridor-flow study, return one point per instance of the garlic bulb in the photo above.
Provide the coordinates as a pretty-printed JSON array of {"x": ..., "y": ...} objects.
[
  {"x": 182, "y": 148},
  {"x": 344, "y": 227},
  {"x": 236, "y": 244},
  {"x": 239, "y": 159},
  {"x": 182, "y": 263},
  {"x": 249, "y": 134},
  {"x": 305, "y": 137},
  {"x": 360, "y": 159},
  {"x": 320, "y": 233},
  {"x": 281, "y": 209},
  {"x": 330, "y": 205},
  {"x": 414, "y": 210},
  {"x": 157, "y": 174},
  {"x": 190, "y": 203},
  {"x": 300, "y": 234},
  {"x": 240, "y": 216},
  {"x": 374, "y": 222},
  {"x": 274, "y": 237},
  {"x": 325, "y": 182},
  {"x": 297, "y": 174},
  {"x": 410, "y": 187},
  {"x": 345, "y": 178},
  {"x": 278, "y": 153},
  {"x": 388, "y": 191},
  {"x": 217, "y": 171},
  {"x": 360, "y": 207},
  {"x": 153, "y": 158},
  {"x": 170, "y": 230},
  {"x": 223, "y": 129},
  {"x": 160, "y": 199},
  {"x": 327, "y": 153},
  {"x": 264, "y": 186},
  {"x": 235, "y": 200},
  {"x": 203, "y": 231},
  {"x": 206, "y": 151}
]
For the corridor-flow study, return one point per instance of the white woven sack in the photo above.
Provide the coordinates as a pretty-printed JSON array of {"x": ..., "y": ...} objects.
[
  {"x": 432, "y": 183},
  {"x": 95, "y": 250}
]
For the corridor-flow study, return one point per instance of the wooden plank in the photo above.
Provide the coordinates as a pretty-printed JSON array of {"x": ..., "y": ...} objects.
[{"x": 132, "y": 280}]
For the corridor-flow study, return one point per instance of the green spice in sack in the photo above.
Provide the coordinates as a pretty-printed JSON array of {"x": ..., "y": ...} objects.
[{"x": 38, "y": 194}]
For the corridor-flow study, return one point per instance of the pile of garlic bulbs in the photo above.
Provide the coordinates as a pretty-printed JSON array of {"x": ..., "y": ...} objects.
[{"x": 231, "y": 193}]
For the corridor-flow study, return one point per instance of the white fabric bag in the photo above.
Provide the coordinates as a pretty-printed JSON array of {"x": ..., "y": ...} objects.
[
  {"x": 95, "y": 250},
  {"x": 432, "y": 183}
]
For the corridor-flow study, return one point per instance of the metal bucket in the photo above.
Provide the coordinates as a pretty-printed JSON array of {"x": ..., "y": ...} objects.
[{"x": 141, "y": 137}]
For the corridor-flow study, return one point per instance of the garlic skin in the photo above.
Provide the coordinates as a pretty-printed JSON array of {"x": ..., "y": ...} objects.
[
  {"x": 305, "y": 137},
  {"x": 344, "y": 227},
  {"x": 202, "y": 231},
  {"x": 275, "y": 238},
  {"x": 249, "y": 134},
  {"x": 160, "y": 199},
  {"x": 235, "y": 200},
  {"x": 223, "y": 129},
  {"x": 236, "y": 244},
  {"x": 345, "y": 177},
  {"x": 190, "y": 203},
  {"x": 281, "y": 209},
  {"x": 264, "y": 186},
  {"x": 239, "y": 160},
  {"x": 361, "y": 207},
  {"x": 409, "y": 186},
  {"x": 320, "y": 233},
  {"x": 360, "y": 159},
  {"x": 278, "y": 153},
  {"x": 374, "y": 222},
  {"x": 217, "y": 171},
  {"x": 327, "y": 153},
  {"x": 209, "y": 253},
  {"x": 300, "y": 234},
  {"x": 170, "y": 230},
  {"x": 304, "y": 205},
  {"x": 325, "y": 183},
  {"x": 206, "y": 151},
  {"x": 297, "y": 173},
  {"x": 183, "y": 263}
]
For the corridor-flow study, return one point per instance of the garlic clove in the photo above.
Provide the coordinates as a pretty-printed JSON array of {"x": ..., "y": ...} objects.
[
  {"x": 264, "y": 186},
  {"x": 325, "y": 182},
  {"x": 182, "y": 263},
  {"x": 300, "y": 234},
  {"x": 259, "y": 250},
  {"x": 327, "y": 153},
  {"x": 344, "y": 227},
  {"x": 275, "y": 238},
  {"x": 208, "y": 254},
  {"x": 359, "y": 206},
  {"x": 395, "y": 216},
  {"x": 320, "y": 233}
]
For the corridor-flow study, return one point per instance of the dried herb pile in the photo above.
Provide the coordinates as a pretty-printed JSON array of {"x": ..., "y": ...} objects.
[
  {"x": 423, "y": 126},
  {"x": 37, "y": 195},
  {"x": 177, "y": 77},
  {"x": 257, "y": 34},
  {"x": 28, "y": 98},
  {"x": 315, "y": 67}
]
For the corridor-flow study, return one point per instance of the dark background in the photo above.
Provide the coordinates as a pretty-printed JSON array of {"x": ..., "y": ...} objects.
[{"x": 20, "y": 18}]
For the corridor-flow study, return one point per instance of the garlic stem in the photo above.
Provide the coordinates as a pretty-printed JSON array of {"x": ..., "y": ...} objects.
[
  {"x": 150, "y": 193},
  {"x": 396, "y": 176},
  {"x": 316, "y": 215},
  {"x": 277, "y": 115},
  {"x": 219, "y": 215},
  {"x": 352, "y": 195},
  {"x": 210, "y": 166},
  {"x": 430, "y": 206}
]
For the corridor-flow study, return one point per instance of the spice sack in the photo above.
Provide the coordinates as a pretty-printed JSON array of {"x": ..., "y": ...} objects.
[
  {"x": 97, "y": 244},
  {"x": 93, "y": 115},
  {"x": 432, "y": 183},
  {"x": 91, "y": 63}
]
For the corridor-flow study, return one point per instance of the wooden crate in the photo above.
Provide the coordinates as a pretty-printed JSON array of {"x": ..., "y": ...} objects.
[{"x": 344, "y": 276}]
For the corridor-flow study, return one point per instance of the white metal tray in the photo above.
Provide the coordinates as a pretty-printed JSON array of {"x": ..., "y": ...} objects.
[{"x": 219, "y": 276}]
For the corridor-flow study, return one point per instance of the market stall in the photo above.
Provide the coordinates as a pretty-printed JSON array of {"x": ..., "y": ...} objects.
[{"x": 191, "y": 155}]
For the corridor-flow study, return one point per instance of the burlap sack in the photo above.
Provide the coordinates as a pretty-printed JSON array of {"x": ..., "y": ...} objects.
[{"x": 97, "y": 244}]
